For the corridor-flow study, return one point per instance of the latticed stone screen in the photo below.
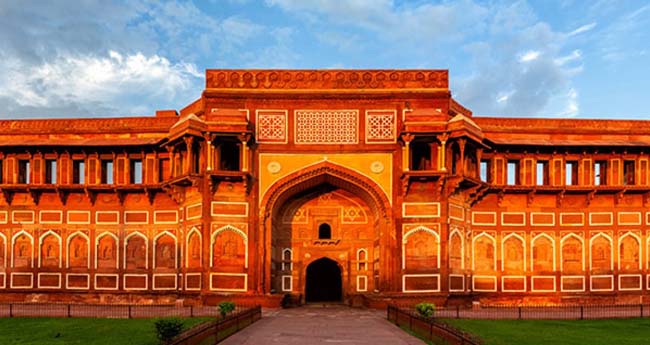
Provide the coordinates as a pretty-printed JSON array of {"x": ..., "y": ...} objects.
[{"x": 326, "y": 126}]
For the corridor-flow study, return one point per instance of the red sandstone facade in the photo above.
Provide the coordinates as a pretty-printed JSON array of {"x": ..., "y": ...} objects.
[{"x": 328, "y": 184}]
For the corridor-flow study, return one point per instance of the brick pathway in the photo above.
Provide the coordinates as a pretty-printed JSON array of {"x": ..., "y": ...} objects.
[{"x": 329, "y": 324}]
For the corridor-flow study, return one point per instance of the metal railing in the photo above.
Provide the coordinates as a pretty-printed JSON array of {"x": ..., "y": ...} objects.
[
  {"x": 213, "y": 332},
  {"x": 541, "y": 312},
  {"x": 429, "y": 328},
  {"x": 115, "y": 311}
]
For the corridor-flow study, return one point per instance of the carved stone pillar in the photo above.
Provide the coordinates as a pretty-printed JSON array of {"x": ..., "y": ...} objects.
[
  {"x": 460, "y": 165},
  {"x": 244, "y": 152},
  {"x": 172, "y": 160},
  {"x": 209, "y": 152},
  {"x": 189, "y": 143},
  {"x": 406, "y": 151},
  {"x": 441, "y": 154}
]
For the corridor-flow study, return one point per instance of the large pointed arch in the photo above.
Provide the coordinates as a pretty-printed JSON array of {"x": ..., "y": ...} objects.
[
  {"x": 331, "y": 173},
  {"x": 312, "y": 177}
]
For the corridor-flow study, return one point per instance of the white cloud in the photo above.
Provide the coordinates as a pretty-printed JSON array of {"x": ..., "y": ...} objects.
[
  {"x": 575, "y": 55},
  {"x": 572, "y": 108},
  {"x": 584, "y": 28},
  {"x": 529, "y": 56},
  {"x": 97, "y": 82}
]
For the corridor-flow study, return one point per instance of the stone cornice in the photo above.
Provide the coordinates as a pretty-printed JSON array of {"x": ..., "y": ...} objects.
[
  {"x": 326, "y": 79},
  {"x": 90, "y": 125},
  {"x": 570, "y": 126}
]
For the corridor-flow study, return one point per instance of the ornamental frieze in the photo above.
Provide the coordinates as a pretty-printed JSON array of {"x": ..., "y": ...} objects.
[{"x": 326, "y": 79}]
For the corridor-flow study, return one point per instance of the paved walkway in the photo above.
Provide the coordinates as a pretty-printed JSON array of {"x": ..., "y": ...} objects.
[{"x": 330, "y": 324}]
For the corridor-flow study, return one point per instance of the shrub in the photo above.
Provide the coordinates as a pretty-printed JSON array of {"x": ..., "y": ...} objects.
[
  {"x": 226, "y": 307},
  {"x": 425, "y": 309},
  {"x": 168, "y": 328}
]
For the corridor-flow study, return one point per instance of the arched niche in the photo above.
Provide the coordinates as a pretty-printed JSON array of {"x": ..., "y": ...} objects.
[
  {"x": 107, "y": 250},
  {"x": 421, "y": 248},
  {"x": 165, "y": 250},
  {"x": 50, "y": 250},
  {"x": 513, "y": 254},
  {"x": 22, "y": 250},
  {"x": 629, "y": 252},
  {"x": 601, "y": 258},
  {"x": 136, "y": 251},
  {"x": 194, "y": 250},
  {"x": 78, "y": 250},
  {"x": 484, "y": 248},
  {"x": 542, "y": 253},
  {"x": 573, "y": 256},
  {"x": 229, "y": 250}
]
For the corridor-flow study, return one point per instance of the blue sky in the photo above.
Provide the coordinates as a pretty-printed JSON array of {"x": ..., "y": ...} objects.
[{"x": 564, "y": 58}]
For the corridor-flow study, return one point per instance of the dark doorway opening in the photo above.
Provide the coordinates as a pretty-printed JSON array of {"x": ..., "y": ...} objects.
[{"x": 323, "y": 281}]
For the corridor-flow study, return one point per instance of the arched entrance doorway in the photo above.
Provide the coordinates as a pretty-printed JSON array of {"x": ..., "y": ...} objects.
[
  {"x": 323, "y": 281},
  {"x": 327, "y": 211}
]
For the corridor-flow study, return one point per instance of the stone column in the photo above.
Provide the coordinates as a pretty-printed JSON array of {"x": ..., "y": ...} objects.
[
  {"x": 442, "y": 150},
  {"x": 189, "y": 143},
  {"x": 406, "y": 151}
]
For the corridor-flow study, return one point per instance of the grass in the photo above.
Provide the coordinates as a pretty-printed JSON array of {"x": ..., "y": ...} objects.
[
  {"x": 81, "y": 331},
  {"x": 566, "y": 332}
]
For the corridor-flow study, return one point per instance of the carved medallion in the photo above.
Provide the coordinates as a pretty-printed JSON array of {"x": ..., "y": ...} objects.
[
  {"x": 274, "y": 167},
  {"x": 377, "y": 167}
]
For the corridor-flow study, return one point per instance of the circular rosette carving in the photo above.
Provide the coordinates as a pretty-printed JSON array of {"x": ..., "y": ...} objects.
[
  {"x": 274, "y": 167},
  {"x": 377, "y": 167}
]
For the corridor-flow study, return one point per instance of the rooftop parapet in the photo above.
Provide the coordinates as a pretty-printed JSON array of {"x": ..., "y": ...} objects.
[{"x": 326, "y": 79}]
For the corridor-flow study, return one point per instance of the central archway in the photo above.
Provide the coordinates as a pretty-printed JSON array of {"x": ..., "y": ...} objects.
[
  {"x": 358, "y": 214},
  {"x": 323, "y": 281}
]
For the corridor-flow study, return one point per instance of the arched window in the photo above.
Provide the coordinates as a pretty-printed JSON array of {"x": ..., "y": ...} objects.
[{"x": 324, "y": 232}]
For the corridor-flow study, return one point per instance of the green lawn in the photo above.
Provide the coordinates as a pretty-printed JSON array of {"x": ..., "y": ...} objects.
[
  {"x": 591, "y": 332},
  {"x": 81, "y": 331}
]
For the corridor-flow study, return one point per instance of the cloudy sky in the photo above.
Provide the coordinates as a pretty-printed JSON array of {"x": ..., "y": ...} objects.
[{"x": 555, "y": 58}]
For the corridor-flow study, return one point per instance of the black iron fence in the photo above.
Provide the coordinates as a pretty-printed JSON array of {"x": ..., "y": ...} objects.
[
  {"x": 213, "y": 332},
  {"x": 116, "y": 311},
  {"x": 429, "y": 328},
  {"x": 541, "y": 312}
]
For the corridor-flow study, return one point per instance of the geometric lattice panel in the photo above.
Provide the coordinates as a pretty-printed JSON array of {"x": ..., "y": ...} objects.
[
  {"x": 271, "y": 126},
  {"x": 326, "y": 126},
  {"x": 380, "y": 126}
]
